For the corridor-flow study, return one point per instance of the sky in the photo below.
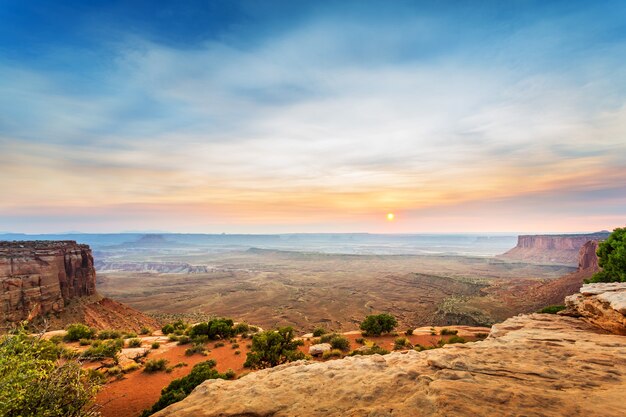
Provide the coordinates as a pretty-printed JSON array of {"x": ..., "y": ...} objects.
[{"x": 312, "y": 116}]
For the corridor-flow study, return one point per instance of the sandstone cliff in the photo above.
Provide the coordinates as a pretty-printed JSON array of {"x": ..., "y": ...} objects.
[
  {"x": 533, "y": 365},
  {"x": 558, "y": 249},
  {"x": 41, "y": 277},
  {"x": 57, "y": 280}
]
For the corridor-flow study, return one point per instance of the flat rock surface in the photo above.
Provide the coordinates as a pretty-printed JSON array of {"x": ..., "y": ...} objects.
[{"x": 534, "y": 365}]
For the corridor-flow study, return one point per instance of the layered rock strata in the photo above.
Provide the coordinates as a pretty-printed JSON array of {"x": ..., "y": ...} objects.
[
  {"x": 558, "y": 249},
  {"x": 38, "y": 277}
]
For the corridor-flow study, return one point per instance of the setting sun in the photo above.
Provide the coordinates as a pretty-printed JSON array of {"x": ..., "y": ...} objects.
[{"x": 390, "y": 217}]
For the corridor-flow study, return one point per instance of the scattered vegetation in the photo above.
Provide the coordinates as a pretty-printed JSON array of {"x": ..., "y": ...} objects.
[
  {"x": 360, "y": 340},
  {"x": 335, "y": 353},
  {"x": 183, "y": 339},
  {"x": 145, "y": 331},
  {"x": 319, "y": 332},
  {"x": 273, "y": 347},
  {"x": 552, "y": 309},
  {"x": 612, "y": 258},
  {"x": 109, "y": 334},
  {"x": 339, "y": 342},
  {"x": 447, "y": 332},
  {"x": 155, "y": 365},
  {"x": 371, "y": 350},
  {"x": 155, "y": 345},
  {"x": 103, "y": 349},
  {"x": 409, "y": 332},
  {"x": 196, "y": 348},
  {"x": 134, "y": 343},
  {"x": 78, "y": 331},
  {"x": 375, "y": 325},
  {"x": 178, "y": 389},
  {"x": 33, "y": 382},
  {"x": 401, "y": 343},
  {"x": 218, "y": 345},
  {"x": 456, "y": 339}
]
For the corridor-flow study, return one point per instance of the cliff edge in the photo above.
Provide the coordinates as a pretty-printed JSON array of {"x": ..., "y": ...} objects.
[{"x": 532, "y": 365}]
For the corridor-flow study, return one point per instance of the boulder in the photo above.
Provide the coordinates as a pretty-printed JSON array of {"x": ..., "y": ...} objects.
[
  {"x": 603, "y": 304},
  {"x": 319, "y": 349}
]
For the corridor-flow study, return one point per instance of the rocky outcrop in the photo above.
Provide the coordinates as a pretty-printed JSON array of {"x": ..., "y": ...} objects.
[
  {"x": 558, "y": 249},
  {"x": 532, "y": 365},
  {"x": 38, "y": 277},
  {"x": 156, "y": 267},
  {"x": 603, "y": 304},
  {"x": 588, "y": 256}
]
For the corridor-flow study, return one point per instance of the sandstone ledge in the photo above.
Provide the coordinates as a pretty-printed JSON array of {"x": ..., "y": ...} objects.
[{"x": 534, "y": 365}]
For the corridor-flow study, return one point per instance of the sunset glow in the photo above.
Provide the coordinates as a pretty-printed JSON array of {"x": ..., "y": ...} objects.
[{"x": 305, "y": 119}]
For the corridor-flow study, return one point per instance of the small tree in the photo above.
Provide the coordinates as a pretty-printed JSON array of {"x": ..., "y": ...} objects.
[
  {"x": 33, "y": 382},
  {"x": 612, "y": 258},
  {"x": 272, "y": 348},
  {"x": 375, "y": 325},
  {"x": 78, "y": 331}
]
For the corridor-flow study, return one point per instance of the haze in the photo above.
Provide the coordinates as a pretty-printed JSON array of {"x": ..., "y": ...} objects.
[{"x": 273, "y": 117}]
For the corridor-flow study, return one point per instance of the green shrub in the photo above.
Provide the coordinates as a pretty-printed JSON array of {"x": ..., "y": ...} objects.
[
  {"x": 109, "y": 334},
  {"x": 78, "y": 331},
  {"x": 375, "y": 325},
  {"x": 134, "y": 343},
  {"x": 612, "y": 258},
  {"x": 481, "y": 336},
  {"x": 33, "y": 382},
  {"x": 456, "y": 339},
  {"x": 401, "y": 343},
  {"x": 184, "y": 340},
  {"x": 446, "y": 332},
  {"x": 241, "y": 328},
  {"x": 155, "y": 345},
  {"x": 130, "y": 335},
  {"x": 273, "y": 347},
  {"x": 218, "y": 345},
  {"x": 237, "y": 352},
  {"x": 319, "y": 332},
  {"x": 552, "y": 309},
  {"x": 409, "y": 332},
  {"x": 155, "y": 365},
  {"x": 102, "y": 350},
  {"x": 85, "y": 342},
  {"x": 172, "y": 337},
  {"x": 340, "y": 342},
  {"x": 196, "y": 349},
  {"x": 167, "y": 329},
  {"x": 145, "y": 331},
  {"x": 214, "y": 329},
  {"x": 335, "y": 353},
  {"x": 360, "y": 340},
  {"x": 56, "y": 339},
  {"x": 374, "y": 350},
  {"x": 234, "y": 346},
  {"x": 178, "y": 389},
  {"x": 229, "y": 374}
]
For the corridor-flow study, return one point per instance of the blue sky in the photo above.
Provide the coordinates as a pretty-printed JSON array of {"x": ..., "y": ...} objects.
[{"x": 312, "y": 116}]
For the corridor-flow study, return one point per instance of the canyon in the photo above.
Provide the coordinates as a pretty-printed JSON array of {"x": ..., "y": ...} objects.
[
  {"x": 554, "y": 249},
  {"x": 541, "y": 364},
  {"x": 55, "y": 282}
]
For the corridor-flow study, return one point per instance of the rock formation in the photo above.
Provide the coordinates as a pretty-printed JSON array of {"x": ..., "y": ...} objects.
[
  {"x": 41, "y": 277},
  {"x": 588, "y": 257},
  {"x": 557, "y": 249},
  {"x": 57, "y": 280},
  {"x": 603, "y": 304},
  {"x": 532, "y": 365},
  {"x": 156, "y": 267}
]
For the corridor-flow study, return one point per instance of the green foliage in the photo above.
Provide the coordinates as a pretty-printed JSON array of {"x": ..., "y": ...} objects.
[
  {"x": 184, "y": 339},
  {"x": 196, "y": 348},
  {"x": 241, "y": 328},
  {"x": 109, "y": 334},
  {"x": 273, "y": 347},
  {"x": 101, "y": 350},
  {"x": 375, "y": 325},
  {"x": 216, "y": 329},
  {"x": 319, "y": 332},
  {"x": 552, "y": 309},
  {"x": 134, "y": 343},
  {"x": 85, "y": 342},
  {"x": 34, "y": 383},
  {"x": 167, "y": 329},
  {"x": 155, "y": 345},
  {"x": 401, "y": 343},
  {"x": 360, "y": 340},
  {"x": 373, "y": 350},
  {"x": 155, "y": 365},
  {"x": 78, "y": 331},
  {"x": 481, "y": 336},
  {"x": 129, "y": 335},
  {"x": 612, "y": 258},
  {"x": 218, "y": 345},
  {"x": 409, "y": 332},
  {"x": 175, "y": 327},
  {"x": 145, "y": 331},
  {"x": 340, "y": 342},
  {"x": 335, "y": 353},
  {"x": 447, "y": 332},
  {"x": 455, "y": 339},
  {"x": 178, "y": 389}
]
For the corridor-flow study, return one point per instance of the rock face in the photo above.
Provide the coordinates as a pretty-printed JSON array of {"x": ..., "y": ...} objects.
[
  {"x": 558, "y": 249},
  {"x": 156, "y": 267},
  {"x": 588, "y": 257},
  {"x": 533, "y": 365},
  {"x": 603, "y": 304},
  {"x": 40, "y": 277}
]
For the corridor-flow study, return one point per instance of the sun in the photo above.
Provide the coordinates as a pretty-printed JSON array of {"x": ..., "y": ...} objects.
[{"x": 390, "y": 217}]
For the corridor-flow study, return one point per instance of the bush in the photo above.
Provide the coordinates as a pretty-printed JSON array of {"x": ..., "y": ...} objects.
[
  {"x": 178, "y": 389},
  {"x": 241, "y": 328},
  {"x": 85, "y": 342},
  {"x": 145, "y": 331},
  {"x": 196, "y": 349},
  {"x": 401, "y": 343},
  {"x": 33, "y": 382},
  {"x": 129, "y": 335},
  {"x": 78, "y": 331},
  {"x": 172, "y": 337},
  {"x": 456, "y": 339},
  {"x": 319, "y": 332},
  {"x": 374, "y": 350},
  {"x": 237, "y": 352},
  {"x": 481, "y": 336},
  {"x": 184, "y": 340},
  {"x": 167, "y": 329},
  {"x": 234, "y": 346},
  {"x": 218, "y": 345},
  {"x": 340, "y": 342},
  {"x": 109, "y": 334},
  {"x": 552, "y": 309},
  {"x": 131, "y": 366},
  {"x": 134, "y": 343},
  {"x": 273, "y": 347},
  {"x": 102, "y": 350},
  {"x": 155, "y": 345},
  {"x": 335, "y": 353},
  {"x": 360, "y": 340},
  {"x": 155, "y": 365},
  {"x": 409, "y": 332},
  {"x": 447, "y": 332},
  {"x": 612, "y": 258},
  {"x": 215, "y": 329},
  {"x": 375, "y": 325}
]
